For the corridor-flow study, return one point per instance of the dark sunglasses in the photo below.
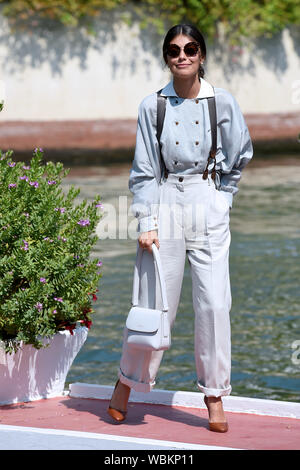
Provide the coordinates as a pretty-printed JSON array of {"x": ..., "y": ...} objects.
[{"x": 190, "y": 49}]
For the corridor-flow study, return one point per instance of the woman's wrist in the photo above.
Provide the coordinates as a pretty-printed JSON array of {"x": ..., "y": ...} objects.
[{"x": 146, "y": 240}]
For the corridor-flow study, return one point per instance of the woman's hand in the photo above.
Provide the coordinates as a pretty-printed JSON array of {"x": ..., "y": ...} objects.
[{"x": 146, "y": 239}]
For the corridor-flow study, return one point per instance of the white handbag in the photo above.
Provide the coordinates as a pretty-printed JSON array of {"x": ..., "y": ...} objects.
[{"x": 148, "y": 329}]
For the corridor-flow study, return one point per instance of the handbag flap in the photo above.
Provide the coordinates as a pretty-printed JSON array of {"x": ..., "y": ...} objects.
[{"x": 145, "y": 320}]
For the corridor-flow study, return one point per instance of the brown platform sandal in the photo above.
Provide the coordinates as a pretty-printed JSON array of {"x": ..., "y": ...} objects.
[
  {"x": 117, "y": 415},
  {"x": 216, "y": 427}
]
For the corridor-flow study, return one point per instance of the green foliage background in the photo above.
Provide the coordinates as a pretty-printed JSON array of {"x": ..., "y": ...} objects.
[{"x": 247, "y": 18}]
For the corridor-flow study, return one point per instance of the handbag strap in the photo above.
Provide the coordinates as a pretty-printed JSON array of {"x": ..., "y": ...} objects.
[{"x": 136, "y": 277}]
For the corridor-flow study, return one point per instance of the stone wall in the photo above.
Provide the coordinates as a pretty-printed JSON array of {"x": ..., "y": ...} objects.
[
  {"x": 52, "y": 73},
  {"x": 68, "y": 89}
]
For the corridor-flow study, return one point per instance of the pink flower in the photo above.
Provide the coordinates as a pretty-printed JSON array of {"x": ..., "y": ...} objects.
[
  {"x": 25, "y": 247},
  {"x": 83, "y": 222}
]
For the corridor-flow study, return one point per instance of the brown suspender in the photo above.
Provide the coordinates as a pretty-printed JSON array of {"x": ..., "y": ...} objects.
[
  {"x": 161, "y": 110},
  {"x": 213, "y": 126}
]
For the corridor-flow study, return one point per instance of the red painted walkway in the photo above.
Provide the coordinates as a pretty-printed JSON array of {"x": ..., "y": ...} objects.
[{"x": 160, "y": 422}]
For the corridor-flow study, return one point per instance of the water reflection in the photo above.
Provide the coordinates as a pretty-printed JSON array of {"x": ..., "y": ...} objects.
[{"x": 265, "y": 277}]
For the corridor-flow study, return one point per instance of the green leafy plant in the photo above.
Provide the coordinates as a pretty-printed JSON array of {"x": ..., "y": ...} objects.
[
  {"x": 48, "y": 279},
  {"x": 247, "y": 18}
]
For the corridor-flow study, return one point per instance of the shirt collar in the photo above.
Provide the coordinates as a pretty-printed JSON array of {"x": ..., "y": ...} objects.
[{"x": 206, "y": 89}]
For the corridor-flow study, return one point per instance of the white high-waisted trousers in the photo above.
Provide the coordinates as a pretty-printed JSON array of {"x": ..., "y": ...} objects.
[{"x": 193, "y": 218}]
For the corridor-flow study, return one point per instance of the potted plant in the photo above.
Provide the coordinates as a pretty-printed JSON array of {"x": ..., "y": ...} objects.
[{"x": 48, "y": 279}]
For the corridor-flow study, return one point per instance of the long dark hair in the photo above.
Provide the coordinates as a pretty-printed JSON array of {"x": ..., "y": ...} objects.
[{"x": 187, "y": 30}]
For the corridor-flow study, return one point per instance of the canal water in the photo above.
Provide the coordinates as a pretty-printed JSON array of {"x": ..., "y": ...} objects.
[{"x": 264, "y": 270}]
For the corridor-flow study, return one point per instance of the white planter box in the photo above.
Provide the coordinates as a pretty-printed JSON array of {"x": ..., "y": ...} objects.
[{"x": 33, "y": 374}]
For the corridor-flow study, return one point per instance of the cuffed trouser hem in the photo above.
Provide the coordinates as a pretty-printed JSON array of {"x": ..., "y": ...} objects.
[
  {"x": 137, "y": 386},
  {"x": 214, "y": 392}
]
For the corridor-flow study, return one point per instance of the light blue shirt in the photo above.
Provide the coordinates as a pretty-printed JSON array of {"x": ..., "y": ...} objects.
[{"x": 186, "y": 142}]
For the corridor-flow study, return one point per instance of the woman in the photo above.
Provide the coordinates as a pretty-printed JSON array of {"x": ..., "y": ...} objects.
[{"x": 184, "y": 213}]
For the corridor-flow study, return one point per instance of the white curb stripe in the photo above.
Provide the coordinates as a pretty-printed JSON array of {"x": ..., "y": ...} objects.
[
  {"x": 110, "y": 441},
  {"x": 192, "y": 400}
]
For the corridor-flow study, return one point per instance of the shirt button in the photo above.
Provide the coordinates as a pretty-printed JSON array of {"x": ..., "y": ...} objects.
[
  {"x": 196, "y": 101},
  {"x": 197, "y": 122},
  {"x": 180, "y": 179},
  {"x": 196, "y": 163},
  {"x": 177, "y": 143},
  {"x": 176, "y": 123},
  {"x": 197, "y": 143},
  {"x": 176, "y": 101}
]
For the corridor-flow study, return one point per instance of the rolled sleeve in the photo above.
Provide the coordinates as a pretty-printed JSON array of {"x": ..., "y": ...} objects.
[
  {"x": 148, "y": 223},
  {"x": 235, "y": 145},
  {"x": 144, "y": 175}
]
